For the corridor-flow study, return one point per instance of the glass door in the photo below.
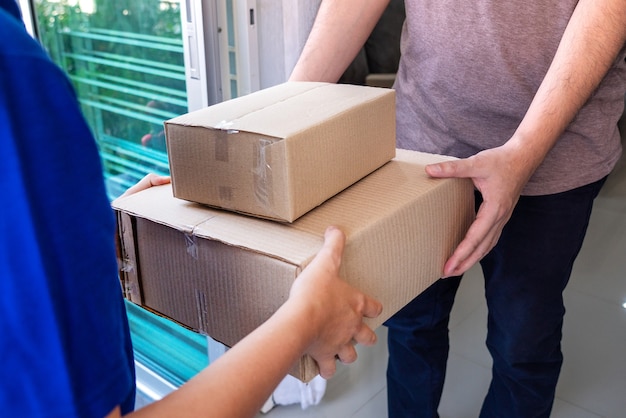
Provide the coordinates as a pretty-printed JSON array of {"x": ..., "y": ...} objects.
[{"x": 126, "y": 61}]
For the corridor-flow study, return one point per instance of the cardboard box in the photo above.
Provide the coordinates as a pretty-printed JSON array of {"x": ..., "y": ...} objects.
[
  {"x": 280, "y": 152},
  {"x": 223, "y": 274}
]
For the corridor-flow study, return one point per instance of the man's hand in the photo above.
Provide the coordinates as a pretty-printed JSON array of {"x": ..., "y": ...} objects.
[
  {"x": 499, "y": 174},
  {"x": 335, "y": 310}
]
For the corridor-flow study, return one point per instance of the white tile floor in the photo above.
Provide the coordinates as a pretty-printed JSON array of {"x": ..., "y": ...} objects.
[{"x": 593, "y": 378}]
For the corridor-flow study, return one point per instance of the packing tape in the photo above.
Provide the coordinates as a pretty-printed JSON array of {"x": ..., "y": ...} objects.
[
  {"x": 221, "y": 141},
  {"x": 192, "y": 247},
  {"x": 202, "y": 310},
  {"x": 126, "y": 265},
  {"x": 221, "y": 146},
  {"x": 262, "y": 173}
]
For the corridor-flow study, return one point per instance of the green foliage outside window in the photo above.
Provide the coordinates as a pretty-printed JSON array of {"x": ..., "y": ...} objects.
[{"x": 125, "y": 59}]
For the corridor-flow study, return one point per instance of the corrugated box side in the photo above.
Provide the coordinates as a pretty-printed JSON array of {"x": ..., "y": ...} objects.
[
  {"x": 282, "y": 151},
  {"x": 223, "y": 274}
]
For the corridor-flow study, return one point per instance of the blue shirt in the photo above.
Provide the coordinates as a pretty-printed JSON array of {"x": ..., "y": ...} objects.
[{"x": 65, "y": 346}]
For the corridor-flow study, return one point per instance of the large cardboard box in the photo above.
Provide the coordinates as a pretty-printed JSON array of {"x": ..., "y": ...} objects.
[
  {"x": 223, "y": 274},
  {"x": 280, "y": 152}
]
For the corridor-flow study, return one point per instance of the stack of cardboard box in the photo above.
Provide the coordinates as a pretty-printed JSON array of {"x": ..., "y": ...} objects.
[{"x": 256, "y": 181}]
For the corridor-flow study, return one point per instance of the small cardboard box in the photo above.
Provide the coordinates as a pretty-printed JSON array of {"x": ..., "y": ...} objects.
[
  {"x": 223, "y": 274},
  {"x": 280, "y": 152}
]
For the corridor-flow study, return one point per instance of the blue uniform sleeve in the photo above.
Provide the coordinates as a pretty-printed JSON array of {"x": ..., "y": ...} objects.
[{"x": 65, "y": 344}]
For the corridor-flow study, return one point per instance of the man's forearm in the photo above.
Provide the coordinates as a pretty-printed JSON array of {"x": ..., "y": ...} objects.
[
  {"x": 593, "y": 38},
  {"x": 340, "y": 30}
]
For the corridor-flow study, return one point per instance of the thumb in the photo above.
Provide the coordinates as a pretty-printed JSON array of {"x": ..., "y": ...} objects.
[{"x": 334, "y": 242}]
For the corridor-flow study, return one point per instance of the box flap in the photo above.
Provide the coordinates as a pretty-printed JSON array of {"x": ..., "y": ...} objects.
[
  {"x": 309, "y": 108},
  {"x": 223, "y": 114},
  {"x": 272, "y": 238},
  {"x": 282, "y": 110},
  {"x": 158, "y": 205}
]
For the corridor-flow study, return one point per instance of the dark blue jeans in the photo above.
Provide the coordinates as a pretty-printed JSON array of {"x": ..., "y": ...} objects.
[{"x": 525, "y": 275}]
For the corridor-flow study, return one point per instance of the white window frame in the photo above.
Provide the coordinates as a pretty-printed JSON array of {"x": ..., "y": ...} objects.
[
  {"x": 205, "y": 30},
  {"x": 26, "y": 6}
]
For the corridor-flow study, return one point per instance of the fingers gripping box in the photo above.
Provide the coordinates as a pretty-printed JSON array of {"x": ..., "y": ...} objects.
[
  {"x": 280, "y": 152},
  {"x": 223, "y": 274}
]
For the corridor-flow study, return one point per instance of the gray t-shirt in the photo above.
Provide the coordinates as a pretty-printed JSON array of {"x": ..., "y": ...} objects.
[{"x": 469, "y": 71}]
